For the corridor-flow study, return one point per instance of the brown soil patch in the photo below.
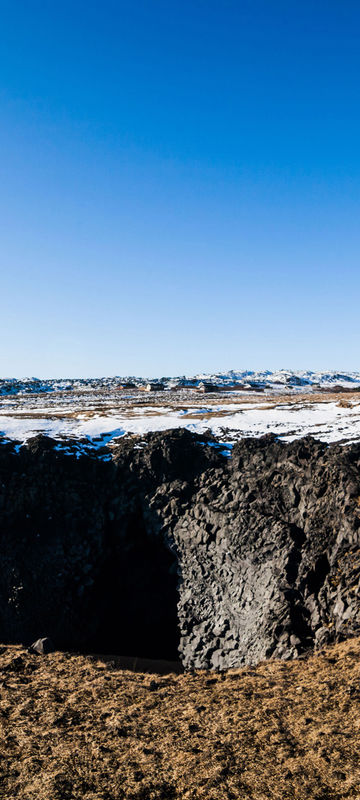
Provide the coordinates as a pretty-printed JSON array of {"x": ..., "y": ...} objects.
[{"x": 77, "y": 727}]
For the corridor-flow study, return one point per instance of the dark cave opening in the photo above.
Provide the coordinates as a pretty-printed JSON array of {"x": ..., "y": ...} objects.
[{"x": 136, "y": 593}]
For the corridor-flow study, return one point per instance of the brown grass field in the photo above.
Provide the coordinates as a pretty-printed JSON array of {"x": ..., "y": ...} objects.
[{"x": 82, "y": 727}]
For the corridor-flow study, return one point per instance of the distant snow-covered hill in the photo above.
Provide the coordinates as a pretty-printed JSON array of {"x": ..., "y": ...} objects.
[{"x": 263, "y": 379}]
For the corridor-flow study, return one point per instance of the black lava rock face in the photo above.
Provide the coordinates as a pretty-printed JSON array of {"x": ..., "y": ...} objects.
[{"x": 172, "y": 547}]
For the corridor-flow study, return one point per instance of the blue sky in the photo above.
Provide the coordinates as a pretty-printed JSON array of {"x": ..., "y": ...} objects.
[{"x": 179, "y": 186}]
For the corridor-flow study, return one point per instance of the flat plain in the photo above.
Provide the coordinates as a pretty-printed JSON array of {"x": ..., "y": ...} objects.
[{"x": 99, "y": 412}]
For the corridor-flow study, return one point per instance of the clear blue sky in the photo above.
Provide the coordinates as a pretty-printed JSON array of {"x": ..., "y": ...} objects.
[{"x": 179, "y": 186}]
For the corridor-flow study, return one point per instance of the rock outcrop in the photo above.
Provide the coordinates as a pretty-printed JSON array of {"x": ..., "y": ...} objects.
[{"x": 170, "y": 546}]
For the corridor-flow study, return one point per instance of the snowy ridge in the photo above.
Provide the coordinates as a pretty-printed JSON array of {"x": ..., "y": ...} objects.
[
  {"x": 263, "y": 379},
  {"x": 284, "y": 377}
]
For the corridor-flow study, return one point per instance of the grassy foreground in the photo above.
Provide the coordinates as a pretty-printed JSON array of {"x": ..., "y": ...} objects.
[{"x": 77, "y": 727}]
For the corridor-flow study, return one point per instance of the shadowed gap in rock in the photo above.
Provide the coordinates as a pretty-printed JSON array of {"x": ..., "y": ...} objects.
[{"x": 136, "y": 593}]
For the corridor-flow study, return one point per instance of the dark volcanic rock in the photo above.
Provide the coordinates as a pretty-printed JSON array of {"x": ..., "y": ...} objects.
[
  {"x": 172, "y": 545},
  {"x": 270, "y": 557}
]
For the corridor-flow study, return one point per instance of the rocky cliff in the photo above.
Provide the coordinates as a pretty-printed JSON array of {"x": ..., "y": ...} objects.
[{"x": 170, "y": 546}]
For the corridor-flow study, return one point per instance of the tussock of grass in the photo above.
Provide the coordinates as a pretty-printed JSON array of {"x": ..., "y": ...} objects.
[{"x": 76, "y": 727}]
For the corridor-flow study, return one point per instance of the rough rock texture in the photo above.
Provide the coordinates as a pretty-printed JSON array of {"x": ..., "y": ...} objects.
[{"x": 172, "y": 544}]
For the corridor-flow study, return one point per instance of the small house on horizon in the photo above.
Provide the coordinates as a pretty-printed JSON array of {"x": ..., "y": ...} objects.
[
  {"x": 127, "y": 385},
  {"x": 154, "y": 387},
  {"x": 206, "y": 387}
]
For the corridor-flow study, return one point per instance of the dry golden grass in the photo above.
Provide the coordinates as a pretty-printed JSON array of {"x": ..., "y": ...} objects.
[{"x": 76, "y": 727}]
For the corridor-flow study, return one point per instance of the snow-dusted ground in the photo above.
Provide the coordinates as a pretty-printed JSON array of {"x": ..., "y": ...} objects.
[
  {"x": 326, "y": 421},
  {"x": 97, "y": 412}
]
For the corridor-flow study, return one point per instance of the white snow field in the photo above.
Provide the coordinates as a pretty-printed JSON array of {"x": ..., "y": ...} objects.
[{"x": 230, "y": 405}]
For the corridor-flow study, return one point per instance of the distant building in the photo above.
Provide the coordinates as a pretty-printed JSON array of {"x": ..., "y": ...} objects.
[
  {"x": 207, "y": 387},
  {"x": 183, "y": 383},
  {"x": 154, "y": 387}
]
